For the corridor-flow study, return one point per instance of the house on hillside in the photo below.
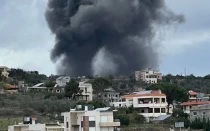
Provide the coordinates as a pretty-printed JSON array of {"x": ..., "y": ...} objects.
[
  {"x": 37, "y": 87},
  {"x": 4, "y": 71},
  {"x": 85, "y": 118},
  {"x": 149, "y": 103},
  {"x": 195, "y": 100},
  {"x": 86, "y": 93},
  {"x": 114, "y": 98},
  {"x": 149, "y": 75},
  {"x": 201, "y": 112},
  {"x": 62, "y": 80}
]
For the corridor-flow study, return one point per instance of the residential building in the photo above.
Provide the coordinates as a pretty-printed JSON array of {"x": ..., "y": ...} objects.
[
  {"x": 86, "y": 93},
  {"x": 149, "y": 75},
  {"x": 114, "y": 98},
  {"x": 201, "y": 112},
  {"x": 85, "y": 118},
  {"x": 150, "y": 103},
  {"x": 187, "y": 106},
  {"x": 4, "y": 71},
  {"x": 62, "y": 80},
  {"x": 30, "y": 124},
  {"x": 37, "y": 87},
  {"x": 194, "y": 96}
]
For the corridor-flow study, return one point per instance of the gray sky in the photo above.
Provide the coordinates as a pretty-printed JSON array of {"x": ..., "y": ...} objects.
[{"x": 26, "y": 41}]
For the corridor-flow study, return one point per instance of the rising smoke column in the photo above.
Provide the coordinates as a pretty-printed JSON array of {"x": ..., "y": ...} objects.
[{"x": 123, "y": 28}]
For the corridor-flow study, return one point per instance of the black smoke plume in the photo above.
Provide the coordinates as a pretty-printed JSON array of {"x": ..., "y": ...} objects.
[{"x": 124, "y": 28}]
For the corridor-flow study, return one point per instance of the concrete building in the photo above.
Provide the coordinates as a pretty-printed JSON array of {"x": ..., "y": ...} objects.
[
  {"x": 62, "y": 80},
  {"x": 86, "y": 92},
  {"x": 30, "y": 124},
  {"x": 37, "y": 87},
  {"x": 4, "y": 71},
  {"x": 201, "y": 112},
  {"x": 84, "y": 118},
  {"x": 149, "y": 75},
  {"x": 113, "y": 98},
  {"x": 150, "y": 103},
  {"x": 187, "y": 106},
  {"x": 195, "y": 100}
]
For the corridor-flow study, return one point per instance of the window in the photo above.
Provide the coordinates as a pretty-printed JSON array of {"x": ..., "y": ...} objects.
[
  {"x": 146, "y": 72},
  {"x": 163, "y": 100},
  {"x": 150, "y": 110},
  {"x": 67, "y": 124},
  {"x": 85, "y": 90},
  {"x": 142, "y": 111},
  {"x": 163, "y": 110},
  {"x": 204, "y": 113},
  {"x": 157, "y": 110},
  {"x": 116, "y": 95},
  {"x": 194, "y": 113},
  {"x": 190, "y": 107},
  {"x": 146, "y": 76},
  {"x": 120, "y": 105},
  {"x": 105, "y": 96}
]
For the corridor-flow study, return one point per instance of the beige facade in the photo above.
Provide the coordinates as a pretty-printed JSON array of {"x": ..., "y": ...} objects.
[
  {"x": 87, "y": 92},
  {"x": 149, "y": 75},
  {"x": 89, "y": 120},
  {"x": 149, "y": 103}
]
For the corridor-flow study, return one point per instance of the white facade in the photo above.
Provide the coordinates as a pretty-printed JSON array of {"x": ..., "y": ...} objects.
[
  {"x": 4, "y": 71},
  {"x": 62, "y": 80},
  {"x": 35, "y": 127},
  {"x": 149, "y": 105},
  {"x": 89, "y": 120},
  {"x": 87, "y": 91}
]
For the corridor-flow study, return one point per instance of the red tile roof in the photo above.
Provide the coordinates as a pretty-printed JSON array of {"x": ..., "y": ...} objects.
[
  {"x": 193, "y": 93},
  {"x": 195, "y": 103}
]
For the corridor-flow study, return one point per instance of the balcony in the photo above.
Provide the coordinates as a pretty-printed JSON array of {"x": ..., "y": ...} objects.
[
  {"x": 163, "y": 104},
  {"x": 109, "y": 124}
]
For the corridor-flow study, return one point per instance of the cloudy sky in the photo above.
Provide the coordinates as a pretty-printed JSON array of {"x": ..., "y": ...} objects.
[{"x": 26, "y": 41}]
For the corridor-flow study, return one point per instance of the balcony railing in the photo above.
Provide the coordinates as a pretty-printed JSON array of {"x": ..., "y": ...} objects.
[{"x": 109, "y": 124}]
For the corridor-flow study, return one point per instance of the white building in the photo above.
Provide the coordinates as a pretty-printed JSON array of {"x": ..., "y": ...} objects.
[
  {"x": 149, "y": 75},
  {"x": 114, "y": 98},
  {"x": 36, "y": 127},
  {"x": 150, "y": 103},
  {"x": 62, "y": 80},
  {"x": 84, "y": 118},
  {"x": 4, "y": 71},
  {"x": 87, "y": 92}
]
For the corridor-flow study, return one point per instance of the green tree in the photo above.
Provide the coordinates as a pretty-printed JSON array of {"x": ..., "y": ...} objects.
[
  {"x": 172, "y": 92},
  {"x": 99, "y": 84},
  {"x": 71, "y": 89}
]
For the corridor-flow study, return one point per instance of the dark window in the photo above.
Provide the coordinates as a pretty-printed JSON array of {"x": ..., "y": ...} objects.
[
  {"x": 146, "y": 76},
  {"x": 204, "y": 113},
  {"x": 163, "y": 110},
  {"x": 146, "y": 72},
  {"x": 67, "y": 124},
  {"x": 116, "y": 96},
  {"x": 120, "y": 105},
  {"x": 157, "y": 110},
  {"x": 190, "y": 107},
  {"x": 150, "y": 110},
  {"x": 163, "y": 100},
  {"x": 104, "y": 95},
  {"x": 91, "y": 124},
  {"x": 142, "y": 111},
  {"x": 194, "y": 113}
]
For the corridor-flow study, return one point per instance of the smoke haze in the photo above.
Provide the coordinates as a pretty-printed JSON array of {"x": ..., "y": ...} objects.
[{"x": 99, "y": 36}]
